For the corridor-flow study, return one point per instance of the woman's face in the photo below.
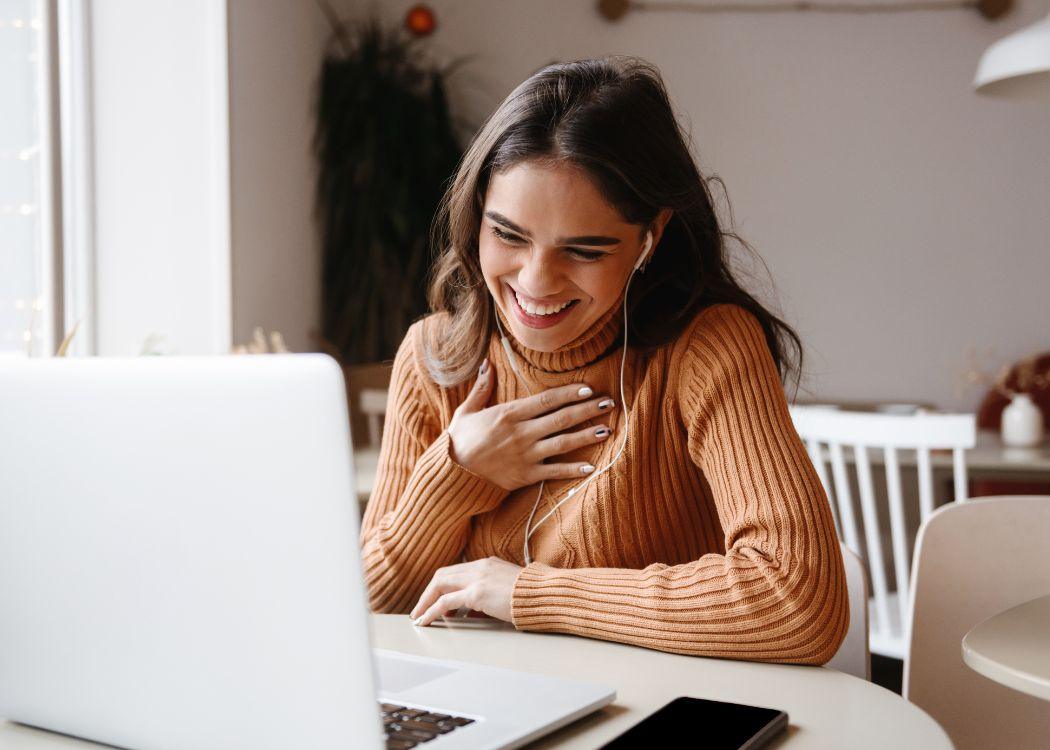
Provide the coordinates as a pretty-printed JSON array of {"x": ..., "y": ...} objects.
[{"x": 554, "y": 254}]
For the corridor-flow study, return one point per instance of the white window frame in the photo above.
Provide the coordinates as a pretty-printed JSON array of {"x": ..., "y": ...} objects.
[{"x": 71, "y": 56}]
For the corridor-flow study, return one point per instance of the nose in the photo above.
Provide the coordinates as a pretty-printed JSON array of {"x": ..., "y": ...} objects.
[{"x": 540, "y": 276}]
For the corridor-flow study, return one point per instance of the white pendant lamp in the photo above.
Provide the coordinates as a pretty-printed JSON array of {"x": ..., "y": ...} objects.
[{"x": 1016, "y": 60}]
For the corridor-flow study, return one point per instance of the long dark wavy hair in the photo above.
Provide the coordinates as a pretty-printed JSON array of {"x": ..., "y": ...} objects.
[{"x": 612, "y": 117}]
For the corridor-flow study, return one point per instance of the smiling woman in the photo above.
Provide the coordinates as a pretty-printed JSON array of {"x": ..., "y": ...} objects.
[
  {"x": 541, "y": 278},
  {"x": 585, "y": 316}
]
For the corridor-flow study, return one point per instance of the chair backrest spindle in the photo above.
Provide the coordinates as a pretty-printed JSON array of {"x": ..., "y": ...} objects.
[
  {"x": 898, "y": 530},
  {"x": 873, "y": 539},
  {"x": 817, "y": 457},
  {"x": 959, "y": 474},
  {"x": 844, "y": 496},
  {"x": 922, "y": 459}
]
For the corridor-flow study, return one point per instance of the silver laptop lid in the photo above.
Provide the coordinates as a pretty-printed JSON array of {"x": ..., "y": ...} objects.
[{"x": 179, "y": 563}]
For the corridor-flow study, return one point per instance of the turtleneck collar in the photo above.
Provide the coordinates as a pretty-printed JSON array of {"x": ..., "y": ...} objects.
[{"x": 584, "y": 349}]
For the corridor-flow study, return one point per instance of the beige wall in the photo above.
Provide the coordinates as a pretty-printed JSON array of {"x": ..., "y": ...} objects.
[
  {"x": 903, "y": 217},
  {"x": 275, "y": 51}
]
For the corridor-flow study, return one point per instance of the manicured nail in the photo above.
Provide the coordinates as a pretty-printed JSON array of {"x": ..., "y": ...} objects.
[
  {"x": 586, "y": 469},
  {"x": 602, "y": 432},
  {"x": 584, "y": 392},
  {"x": 606, "y": 403},
  {"x": 417, "y": 621},
  {"x": 484, "y": 366}
]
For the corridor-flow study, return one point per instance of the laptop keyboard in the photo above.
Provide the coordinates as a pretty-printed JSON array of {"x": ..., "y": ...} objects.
[{"x": 407, "y": 727}]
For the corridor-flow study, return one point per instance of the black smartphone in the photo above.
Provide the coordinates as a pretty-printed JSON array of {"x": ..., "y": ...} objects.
[{"x": 712, "y": 725}]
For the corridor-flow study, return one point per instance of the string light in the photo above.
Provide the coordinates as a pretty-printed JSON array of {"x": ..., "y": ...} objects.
[
  {"x": 25, "y": 209},
  {"x": 23, "y": 154},
  {"x": 20, "y": 23}
]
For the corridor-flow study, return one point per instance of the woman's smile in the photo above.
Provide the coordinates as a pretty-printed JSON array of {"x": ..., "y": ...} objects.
[{"x": 538, "y": 313}]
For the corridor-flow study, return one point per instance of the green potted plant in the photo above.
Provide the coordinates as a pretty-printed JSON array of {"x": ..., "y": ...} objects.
[{"x": 386, "y": 146}]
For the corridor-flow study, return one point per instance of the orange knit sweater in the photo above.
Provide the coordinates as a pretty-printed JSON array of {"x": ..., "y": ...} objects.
[{"x": 710, "y": 536}]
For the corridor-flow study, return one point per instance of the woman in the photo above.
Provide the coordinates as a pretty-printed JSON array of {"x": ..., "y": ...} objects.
[{"x": 682, "y": 514}]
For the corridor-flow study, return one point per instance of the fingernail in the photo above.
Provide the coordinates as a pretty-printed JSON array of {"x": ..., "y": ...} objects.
[
  {"x": 584, "y": 392},
  {"x": 484, "y": 366},
  {"x": 417, "y": 621},
  {"x": 586, "y": 469},
  {"x": 602, "y": 432},
  {"x": 606, "y": 403}
]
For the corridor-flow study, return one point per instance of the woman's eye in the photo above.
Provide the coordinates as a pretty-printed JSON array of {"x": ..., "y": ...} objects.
[
  {"x": 585, "y": 254},
  {"x": 503, "y": 235}
]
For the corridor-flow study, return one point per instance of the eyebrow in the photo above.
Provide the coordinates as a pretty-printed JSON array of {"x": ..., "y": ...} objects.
[{"x": 587, "y": 239}]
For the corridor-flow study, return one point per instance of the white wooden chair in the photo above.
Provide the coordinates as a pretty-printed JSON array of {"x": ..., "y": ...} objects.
[
  {"x": 853, "y": 656},
  {"x": 371, "y": 402},
  {"x": 972, "y": 561},
  {"x": 820, "y": 426}
]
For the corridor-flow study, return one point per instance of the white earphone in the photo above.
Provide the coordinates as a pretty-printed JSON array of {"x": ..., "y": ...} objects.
[
  {"x": 646, "y": 248},
  {"x": 529, "y": 528}
]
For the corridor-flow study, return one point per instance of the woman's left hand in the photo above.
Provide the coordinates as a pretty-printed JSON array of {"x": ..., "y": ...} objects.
[{"x": 483, "y": 585}]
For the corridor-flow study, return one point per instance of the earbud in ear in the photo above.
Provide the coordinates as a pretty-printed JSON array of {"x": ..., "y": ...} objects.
[{"x": 645, "y": 250}]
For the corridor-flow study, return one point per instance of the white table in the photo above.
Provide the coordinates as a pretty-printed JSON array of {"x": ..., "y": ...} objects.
[
  {"x": 1013, "y": 648},
  {"x": 827, "y": 709},
  {"x": 991, "y": 456}
]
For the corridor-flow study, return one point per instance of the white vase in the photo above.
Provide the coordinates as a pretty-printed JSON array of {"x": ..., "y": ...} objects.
[{"x": 1022, "y": 422}]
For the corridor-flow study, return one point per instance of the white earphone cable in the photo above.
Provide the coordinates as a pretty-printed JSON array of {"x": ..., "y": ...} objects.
[
  {"x": 514, "y": 366},
  {"x": 529, "y": 528}
]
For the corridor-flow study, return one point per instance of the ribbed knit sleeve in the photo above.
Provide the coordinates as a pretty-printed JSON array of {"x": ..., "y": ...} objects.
[
  {"x": 418, "y": 516},
  {"x": 779, "y": 592}
]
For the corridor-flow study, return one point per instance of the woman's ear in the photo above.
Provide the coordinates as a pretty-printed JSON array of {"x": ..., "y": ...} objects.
[
  {"x": 657, "y": 228},
  {"x": 659, "y": 223}
]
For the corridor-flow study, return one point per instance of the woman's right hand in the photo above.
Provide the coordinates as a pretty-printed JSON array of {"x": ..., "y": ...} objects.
[{"x": 507, "y": 443}]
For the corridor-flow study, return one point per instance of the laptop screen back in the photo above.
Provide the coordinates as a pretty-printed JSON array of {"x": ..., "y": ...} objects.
[{"x": 179, "y": 560}]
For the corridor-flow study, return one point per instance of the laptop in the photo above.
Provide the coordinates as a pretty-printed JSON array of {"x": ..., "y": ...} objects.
[{"x": 179, "y": 568}]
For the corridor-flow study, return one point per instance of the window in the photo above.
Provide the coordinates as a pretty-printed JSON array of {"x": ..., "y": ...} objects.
[
  {"x": 83, "y": 136},
  {"x": 27, "y": 309}
]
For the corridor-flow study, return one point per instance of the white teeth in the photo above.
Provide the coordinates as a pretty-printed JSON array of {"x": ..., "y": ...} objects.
[{"x": 532, "y": 309}]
